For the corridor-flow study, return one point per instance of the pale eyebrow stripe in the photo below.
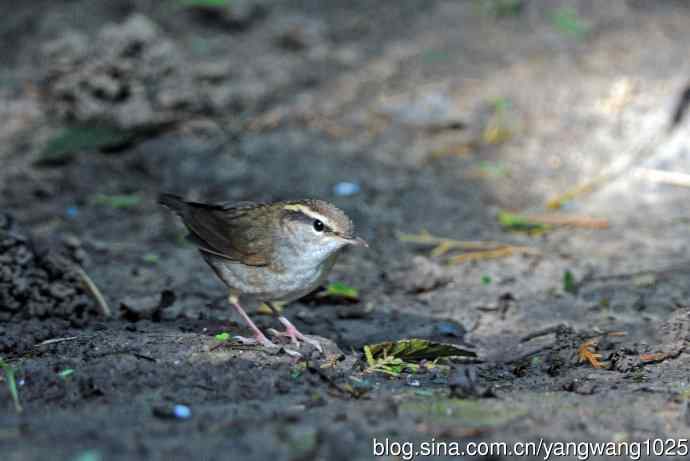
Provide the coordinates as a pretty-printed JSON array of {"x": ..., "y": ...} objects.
[{"x": 311, "y": 213}]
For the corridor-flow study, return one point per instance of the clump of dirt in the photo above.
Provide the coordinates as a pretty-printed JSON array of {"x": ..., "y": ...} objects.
[
  {"x": 39, "y": 283},
  {"x": 671, "y": 340},
  {"x": 133, "y": 75},
  {"x": 120, "y": 75},
  {"x": 298, "y": 33}
]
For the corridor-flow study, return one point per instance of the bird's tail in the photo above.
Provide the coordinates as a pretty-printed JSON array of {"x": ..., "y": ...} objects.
[{"x": 174, "y": 202}]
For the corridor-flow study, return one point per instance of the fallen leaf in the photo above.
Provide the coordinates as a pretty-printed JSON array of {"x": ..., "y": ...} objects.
[
  {"x": 519, "y": 223},
  {"x": 417, "y": 349},
  {"x": 587, "y": 353},
  {"x": 61, "y": 149},
  {"x": 224, "y": 336},
  {"x": 341, "y": 290}
]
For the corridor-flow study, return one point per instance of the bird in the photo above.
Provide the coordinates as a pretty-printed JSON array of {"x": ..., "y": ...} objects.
[{"x": 267, "y": 252}]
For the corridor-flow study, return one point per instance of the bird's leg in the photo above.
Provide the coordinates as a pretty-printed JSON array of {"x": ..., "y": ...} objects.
[
  {"x": 259, "y": 337},
  {"x": 291, "y": 331}
]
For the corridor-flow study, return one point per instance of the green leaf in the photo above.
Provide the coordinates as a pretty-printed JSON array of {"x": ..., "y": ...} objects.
[
  {"x": 415, "y": 350},
  {"x": 66, "y": 372},
  {"x": 11, "y": 384},
  {"x": 341, "y": 290},
  {"x": 151, "y": 258},
  {"x": 486, "y": 280},
  {"x": 224, "y": 336},
  {"x": 569, "y": 285},
  {"x": 567, "y": 21},
  {"x": 369, "y": 356},
  {"x": 117, "y": 201},
  {"x": 61, "y": 149},
  {"x": 517, "y": 223}
]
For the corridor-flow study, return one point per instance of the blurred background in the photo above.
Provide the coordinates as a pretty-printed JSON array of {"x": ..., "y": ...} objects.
[
  {"x": 412, "y": 116},
  {"x": 513, "y": 163}
]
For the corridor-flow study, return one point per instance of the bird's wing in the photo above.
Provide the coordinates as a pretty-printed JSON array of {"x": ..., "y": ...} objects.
[{"x": 227, "y": 231}]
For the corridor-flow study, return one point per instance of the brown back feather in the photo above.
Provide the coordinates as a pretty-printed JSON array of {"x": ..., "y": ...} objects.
[{"x": 227, "y": 231}]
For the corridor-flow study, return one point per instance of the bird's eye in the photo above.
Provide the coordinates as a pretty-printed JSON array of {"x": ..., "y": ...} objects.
[{"x": 318, "y": 226}]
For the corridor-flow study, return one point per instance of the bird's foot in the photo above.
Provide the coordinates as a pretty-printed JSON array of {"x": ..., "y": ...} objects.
[
  {"x": 265, "y": 342},
  {"x": 295, "y": 335}
]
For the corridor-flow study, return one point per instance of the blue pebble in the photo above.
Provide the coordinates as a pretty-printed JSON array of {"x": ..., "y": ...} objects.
[
  {"x": 346, "y": 189},
  {"x": 448, "y": 329},
  {"x": 182, "y": 411},
  {"x": 72, "y": 211}
]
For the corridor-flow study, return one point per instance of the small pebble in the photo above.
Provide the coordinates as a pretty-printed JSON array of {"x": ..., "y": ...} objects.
[
  {"x": 346, "y": 189},
  {"x": 176, "y": 411},
  {"x": 182, "y": 411},
  {"x": 72, "y": 211},
  {"x": 413, "y": 382},
  {"x": 449, "y": 329}
]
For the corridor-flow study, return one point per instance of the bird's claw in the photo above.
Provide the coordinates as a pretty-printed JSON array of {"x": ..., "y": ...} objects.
[
  {"x": 268, "y": 344},
  {"x": 295, "y": 337},
  {"x": 257, "y": 340}
]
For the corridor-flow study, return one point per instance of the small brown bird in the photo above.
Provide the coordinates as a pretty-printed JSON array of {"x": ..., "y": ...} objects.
[{"x": 275, "y": 252}]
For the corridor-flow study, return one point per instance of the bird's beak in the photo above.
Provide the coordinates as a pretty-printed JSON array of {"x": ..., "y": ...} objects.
[{"x": 357, "y": 241}]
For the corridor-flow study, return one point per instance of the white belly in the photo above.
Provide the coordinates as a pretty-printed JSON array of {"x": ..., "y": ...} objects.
[{"x": 264, "y": 284}]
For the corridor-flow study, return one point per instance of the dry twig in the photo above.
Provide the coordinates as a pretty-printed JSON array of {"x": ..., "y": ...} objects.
[
  {"x": 557, "y": 219},
  {"x": 477, "y": 250},
  {"x": 673, "y": 178},
  {"x": 95, "y": 292},
  {"x": 56, "y": 340}
]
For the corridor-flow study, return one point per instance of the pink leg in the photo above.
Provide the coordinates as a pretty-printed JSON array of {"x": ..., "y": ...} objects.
[
  {"x": 294, "y": 334},
  {"x": 259, "y": 337}
]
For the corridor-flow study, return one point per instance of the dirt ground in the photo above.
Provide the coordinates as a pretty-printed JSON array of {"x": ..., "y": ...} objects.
[{"x": 411, "y": 116}]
